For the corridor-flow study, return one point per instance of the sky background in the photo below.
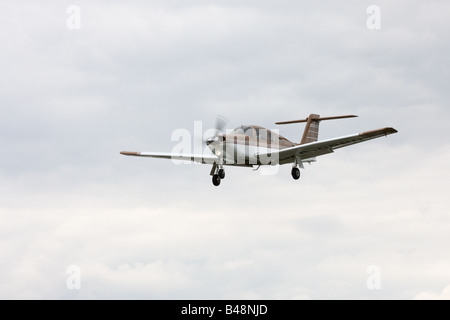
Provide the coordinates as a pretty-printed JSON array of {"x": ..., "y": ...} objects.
[{"x": 137, "y": 228}]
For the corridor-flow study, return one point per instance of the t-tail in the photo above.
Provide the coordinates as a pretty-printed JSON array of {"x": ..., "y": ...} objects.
[{"x": 311, "y": 132}]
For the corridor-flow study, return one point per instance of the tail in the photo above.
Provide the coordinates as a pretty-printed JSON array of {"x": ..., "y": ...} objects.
[{"x": 311, "y": 132}]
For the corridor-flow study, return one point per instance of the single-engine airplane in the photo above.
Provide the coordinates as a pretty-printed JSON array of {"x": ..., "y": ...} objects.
[{"x": 250, "y": 145}]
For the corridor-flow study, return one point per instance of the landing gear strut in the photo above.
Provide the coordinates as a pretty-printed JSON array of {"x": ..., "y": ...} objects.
[{"x": 295, "y": 173}]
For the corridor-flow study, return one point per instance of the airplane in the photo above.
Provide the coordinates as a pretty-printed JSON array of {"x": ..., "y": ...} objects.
[{"x": 251, "y": 145}]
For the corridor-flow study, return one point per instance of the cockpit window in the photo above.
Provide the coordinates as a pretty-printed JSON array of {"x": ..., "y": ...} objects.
[
  {"x": 248, "y": 131},
  {"x": 239, "y": 130},
  {"x": 261, "y": 134}
]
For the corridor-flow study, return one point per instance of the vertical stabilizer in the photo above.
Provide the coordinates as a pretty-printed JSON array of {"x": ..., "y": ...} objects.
[{"x": 311, "y": 132}]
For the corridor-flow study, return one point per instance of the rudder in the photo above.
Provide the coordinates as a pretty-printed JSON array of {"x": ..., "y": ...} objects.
[{"x": 311, "y": 132}]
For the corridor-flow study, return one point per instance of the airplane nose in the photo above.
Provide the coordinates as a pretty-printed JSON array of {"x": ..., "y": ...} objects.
[
  {"x": 210, "y": 140},
  {"x": 215, "y": 139}
]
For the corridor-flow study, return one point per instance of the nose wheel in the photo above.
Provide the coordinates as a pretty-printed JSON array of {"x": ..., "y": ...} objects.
[
  {"x": 216, "y": 180},
  {"x": 295, "y": 173},
  {"x": 218, "y": 173}
]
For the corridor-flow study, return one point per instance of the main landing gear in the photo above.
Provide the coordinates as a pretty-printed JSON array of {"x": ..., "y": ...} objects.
[
  {"x": 217, "y": 176},
  {"x": 295, "y": 173}
]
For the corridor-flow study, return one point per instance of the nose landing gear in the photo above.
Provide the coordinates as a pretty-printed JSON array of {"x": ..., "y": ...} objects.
[
  {"x": 216, "y": 180},
  {"x": 218, "y": 173}
]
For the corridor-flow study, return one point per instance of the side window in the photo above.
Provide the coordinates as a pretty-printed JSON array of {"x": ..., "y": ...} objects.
[
  {"x": 274, "y": 137},
  {"x": 262, "y": 134}
]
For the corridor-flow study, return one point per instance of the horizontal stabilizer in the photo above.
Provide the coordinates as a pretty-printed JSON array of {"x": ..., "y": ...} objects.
[
  {"x": 311, "y": 132},
  {"x": 316, "y": 119}
]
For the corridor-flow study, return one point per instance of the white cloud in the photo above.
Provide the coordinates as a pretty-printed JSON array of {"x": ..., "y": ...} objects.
[{"x": 429, "y": 295}]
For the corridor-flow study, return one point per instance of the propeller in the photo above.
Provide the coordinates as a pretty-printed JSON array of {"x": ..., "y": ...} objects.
[{"x": 221, "y": 122}]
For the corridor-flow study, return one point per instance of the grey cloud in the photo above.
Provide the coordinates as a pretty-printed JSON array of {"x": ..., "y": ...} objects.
[{"x": 142, "y": 228}]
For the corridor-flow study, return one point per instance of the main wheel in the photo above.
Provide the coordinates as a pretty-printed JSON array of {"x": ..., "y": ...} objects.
[
  {"x": 295, "y": 173},
  {"x": 221, "y": 173},
  {"x": 216, "y": 180}
]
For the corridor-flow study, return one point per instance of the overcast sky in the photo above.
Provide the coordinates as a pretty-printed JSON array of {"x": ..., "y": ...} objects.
[{"x": 75, "y": 90}]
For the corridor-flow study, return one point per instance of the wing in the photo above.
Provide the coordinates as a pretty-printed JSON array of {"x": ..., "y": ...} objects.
[
  {"x": 314, "y": 149},
  {"x": 201, "y": 158}
]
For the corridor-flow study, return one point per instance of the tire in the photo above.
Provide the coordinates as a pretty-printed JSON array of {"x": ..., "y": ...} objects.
[
  {"x": 295, "y": 173},
  {"x": 216, "y": 180},
  {"x": 221, "y": 173}
]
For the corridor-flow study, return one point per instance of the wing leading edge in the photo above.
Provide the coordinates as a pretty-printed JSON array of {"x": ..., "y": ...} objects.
[
  {"x": 314, "y": 149},
  {"x": 201, "y": 158}
]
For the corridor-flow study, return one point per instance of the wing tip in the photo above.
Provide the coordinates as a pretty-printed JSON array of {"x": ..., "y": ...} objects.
[
  {"x": 386, "y": 131},
  {"x": 390, "y": 130},
  {"x": 393, "y": 130},
  {"x": 130, "y": 153}
]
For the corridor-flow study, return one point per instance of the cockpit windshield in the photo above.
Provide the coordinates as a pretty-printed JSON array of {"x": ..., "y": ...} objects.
[
  {"x": 238, "y": 130},
  {"x": 247, "y": 130}
]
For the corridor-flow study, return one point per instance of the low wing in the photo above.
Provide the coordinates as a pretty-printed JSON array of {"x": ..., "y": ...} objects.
[
  {"x": 201, "y": 158},
  {"x": 314, "y": 149}
]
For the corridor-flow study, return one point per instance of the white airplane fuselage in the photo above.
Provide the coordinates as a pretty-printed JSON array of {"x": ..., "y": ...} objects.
[{"x": 243, "y": 146}]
